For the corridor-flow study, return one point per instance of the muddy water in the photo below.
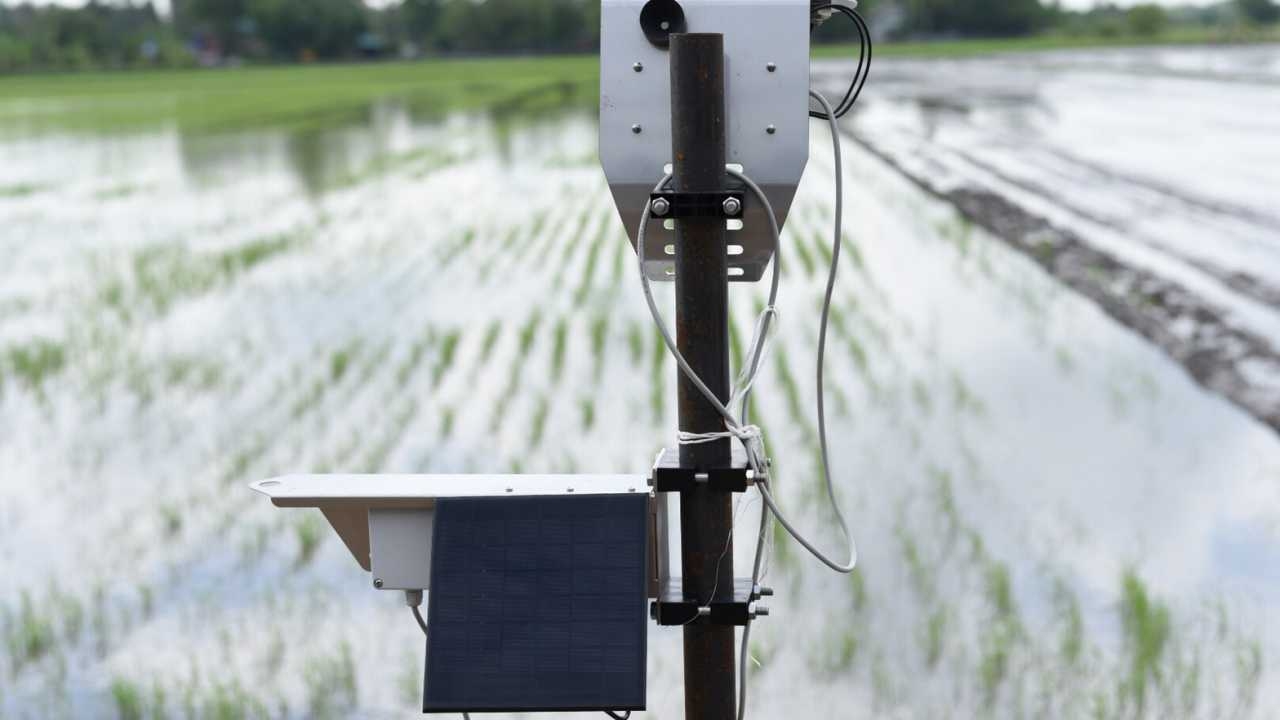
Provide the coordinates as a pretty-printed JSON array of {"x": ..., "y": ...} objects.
[{"x": 1055, "y": 518}]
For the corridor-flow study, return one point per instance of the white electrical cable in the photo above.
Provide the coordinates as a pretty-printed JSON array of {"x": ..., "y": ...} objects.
[
  {"x": 740, "y": 428},
  {"x": 837, "y": 242}
]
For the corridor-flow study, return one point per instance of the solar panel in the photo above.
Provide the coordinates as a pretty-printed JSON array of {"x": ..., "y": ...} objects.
[{"x": 538, "y": 604}]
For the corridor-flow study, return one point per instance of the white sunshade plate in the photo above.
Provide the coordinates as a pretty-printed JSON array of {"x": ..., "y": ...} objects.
[{"x": 421, "y": 490}]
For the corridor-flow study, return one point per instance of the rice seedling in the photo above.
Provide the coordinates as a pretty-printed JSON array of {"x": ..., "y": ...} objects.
[
  {"x": 412, "y": 360},
  {"x": 635, "y": 343},
  {"x": 538, "y": 423},
  {"x": 657, "y": 390},
  {"x": 1147, "y": 630},
  {"x": 36, "y": 362},
  {"x": 170, "y": 520},
  {"x": 310, "y": 532},
  {"x": 801, "y": 251},
  {"x": 621, "y": 252},
  {"x": 30, "y": 635},
  {"x": 444, "y": 360},
  {"x": 128, "y": 699},
  {"x": 529, "y": 332},
  {"x": 331, "y": 684},
  {"x": 1071, "y": 637},
  {"x": 20, "y": 190},
  {"x": 588, "y": 406},
  {"x": 491, "y": 336},
  {"x": 599, "y": 337},
  {"x": 146, "y": 600},
  {"x": 1002, "y": 631},
  {"x": 934, "y": 637},
  {"x": 919, "y": 572},
  {"x": 231, "y": 702},
  {"x": 589, "y": 269},
  {"x": 559, "y": 345},
  {"x": 340, "y": 361},
  {"x": 448, "y": 416}
]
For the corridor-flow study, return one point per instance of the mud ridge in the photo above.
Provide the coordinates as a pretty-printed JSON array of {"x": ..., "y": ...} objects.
[{"x": 1221, "y": 356}]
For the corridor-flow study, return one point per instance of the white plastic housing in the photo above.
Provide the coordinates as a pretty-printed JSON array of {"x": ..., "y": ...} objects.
[{"x": 757, "y": 34}]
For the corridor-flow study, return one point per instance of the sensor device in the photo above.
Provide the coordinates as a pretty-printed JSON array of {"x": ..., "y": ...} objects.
[{"x": 766, "y": 45}]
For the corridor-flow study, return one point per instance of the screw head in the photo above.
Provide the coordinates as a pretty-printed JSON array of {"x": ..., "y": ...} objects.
[
  {"x": 732, "y": 206},
  {"x": 772, "y": 67},
  {"x": 661, "y": 207},
  {"x": 638, "y": 67},
  {"x": 772, "y": 129},
  {"x": 377, "y": 582}
]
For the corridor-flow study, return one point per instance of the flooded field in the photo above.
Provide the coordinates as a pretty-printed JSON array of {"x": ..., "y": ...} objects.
[{"x": 1058, "y": 514}]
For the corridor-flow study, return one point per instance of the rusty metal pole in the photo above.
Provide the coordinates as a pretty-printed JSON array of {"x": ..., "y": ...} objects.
[{"x": 702, "y": 320}]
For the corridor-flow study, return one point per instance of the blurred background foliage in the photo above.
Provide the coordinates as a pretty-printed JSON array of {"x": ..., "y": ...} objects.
[{"x": 127, "y": 34}]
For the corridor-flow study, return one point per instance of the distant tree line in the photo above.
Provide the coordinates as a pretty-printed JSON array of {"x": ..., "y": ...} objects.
[{"x": 131, "y": 33}]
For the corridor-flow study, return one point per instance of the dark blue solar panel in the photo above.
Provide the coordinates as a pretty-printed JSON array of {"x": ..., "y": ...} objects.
[{"x": 538, "y": 604}]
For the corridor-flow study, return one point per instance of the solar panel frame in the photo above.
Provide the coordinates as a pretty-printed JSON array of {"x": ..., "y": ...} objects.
[{"x": 538, "y": 604}]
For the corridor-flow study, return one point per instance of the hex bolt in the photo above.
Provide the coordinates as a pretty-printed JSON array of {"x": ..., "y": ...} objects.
[
  {"x": 773, "y": 67},
  {"x": 637, "y": 129},
  {"x": 661, "y": 207},
  {"x": 760, "y": 611},
  {"x": 766, "y": 592},
  {"x": 732, "y": 206},
  {"x": 638, "y": 67},
  {"x": 704, "y": 611},
  {"x": 701, "y": 478},
  {"x": 772, "y": 129},
  {"x": 377, "y": 582}
]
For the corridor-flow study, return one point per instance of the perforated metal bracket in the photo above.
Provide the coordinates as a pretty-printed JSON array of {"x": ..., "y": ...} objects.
[
  {"x": 683, "y": 205},
  {"x": 669, "y": 476},
  {"x": 672, "y": 608}
]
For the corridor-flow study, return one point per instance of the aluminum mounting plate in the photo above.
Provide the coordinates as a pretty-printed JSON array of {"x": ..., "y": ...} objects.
[
  {"x": 635, "y": 93},
  {"x": 346, "y": 500}
]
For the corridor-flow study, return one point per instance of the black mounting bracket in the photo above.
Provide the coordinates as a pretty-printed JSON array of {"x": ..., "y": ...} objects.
[
  {"x": 670, "y": 476},
  {"x": 672, "y": 205},
  {"x": 672, "y": 608}
]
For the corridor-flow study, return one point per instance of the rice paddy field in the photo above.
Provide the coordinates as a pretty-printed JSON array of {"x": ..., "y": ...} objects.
[{"x": 1066, "y": 491}]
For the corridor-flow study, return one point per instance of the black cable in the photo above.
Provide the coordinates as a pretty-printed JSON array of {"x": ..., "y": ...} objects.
[
  {"x": 616, "y": 716},
  {"x": 866, "y": 51},
  {"x": 857, "y": 72}
]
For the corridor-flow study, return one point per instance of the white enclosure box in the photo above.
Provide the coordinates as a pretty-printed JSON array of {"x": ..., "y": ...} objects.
[{"x": 766, "y": 45}]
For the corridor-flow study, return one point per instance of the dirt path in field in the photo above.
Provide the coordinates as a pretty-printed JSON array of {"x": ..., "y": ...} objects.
[{"x": 1221, "y": 355}]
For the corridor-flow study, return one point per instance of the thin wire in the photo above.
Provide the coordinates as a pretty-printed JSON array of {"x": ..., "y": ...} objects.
[
  {"x": 837, "y": 242},
  {"x": 417, "y": 615},
  {"x": 771, "y": 507}
]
